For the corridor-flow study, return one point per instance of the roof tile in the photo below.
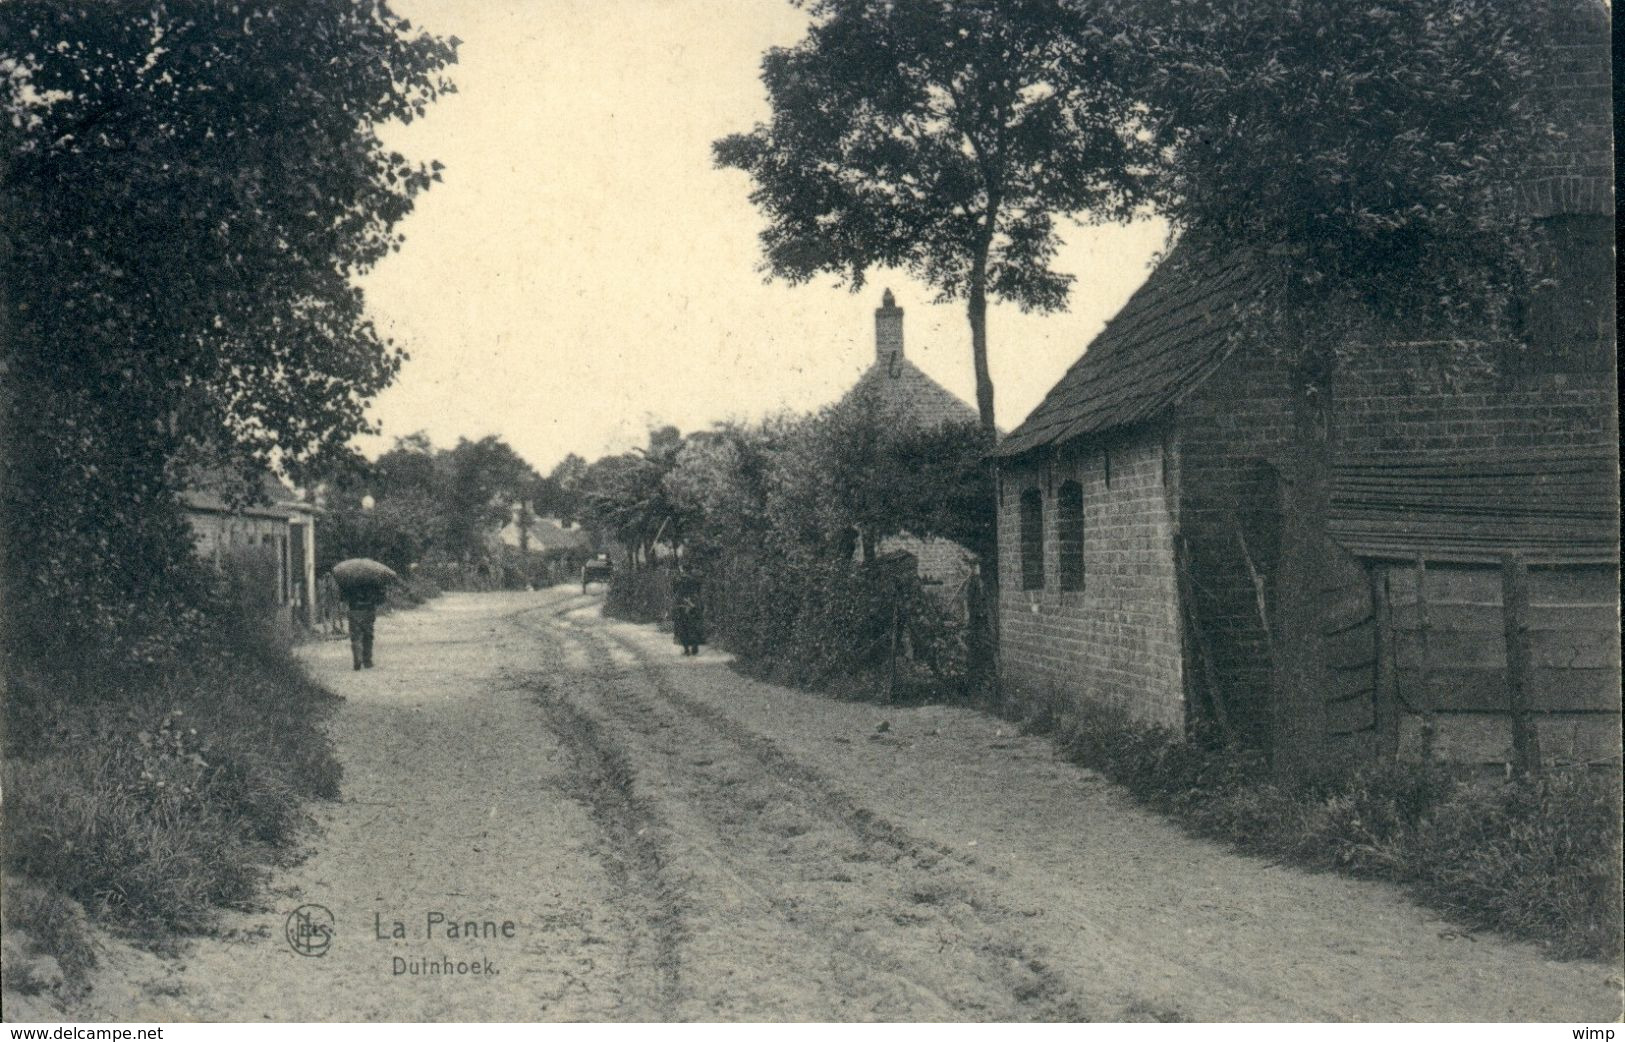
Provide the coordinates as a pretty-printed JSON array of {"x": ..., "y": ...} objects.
[{"x": 1169, "y": 336}]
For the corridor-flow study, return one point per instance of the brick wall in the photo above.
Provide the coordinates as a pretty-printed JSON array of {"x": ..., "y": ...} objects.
[
  {"x": 942, "y": 563},
  {"x": 1393, "y": 398},
  {"x": 1236, "y": 420},
  {"x": 1117, "y": 640},
  {"x": 1416, "y": 398},
  {"x": 1575, "y": 173}
]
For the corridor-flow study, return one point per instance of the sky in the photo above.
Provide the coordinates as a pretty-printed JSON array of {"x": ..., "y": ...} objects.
[{"x": 584, "y": 272}]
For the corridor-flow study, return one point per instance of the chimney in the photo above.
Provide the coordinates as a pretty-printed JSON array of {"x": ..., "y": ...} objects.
[{"x": 888, "y": 330}]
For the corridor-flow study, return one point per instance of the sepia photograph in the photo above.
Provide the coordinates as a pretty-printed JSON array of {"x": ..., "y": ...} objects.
[{"x": 801, "y": 512}]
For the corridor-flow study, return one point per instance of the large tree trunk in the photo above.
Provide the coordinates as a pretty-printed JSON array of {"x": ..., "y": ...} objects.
[
  {"x": 976, "y": 307},
  {"x": 1298, "y": 701},
  {"x": 987, "y": 603}
]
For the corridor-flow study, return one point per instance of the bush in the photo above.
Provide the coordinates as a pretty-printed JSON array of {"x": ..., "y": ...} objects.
[
  {"x": 814, "y": 623},
  {"x": 466, "y": 576},
  {"x": 53, "y": 925},
  {"x": 152, "y": 801},
  {"x": 817, "y": 622},
  {"x": 639, "y": 595},
  {"x": 412, "y": 591},
  {"x": 1536, "y": 858},
  {"x": 1525, "y": 855}
]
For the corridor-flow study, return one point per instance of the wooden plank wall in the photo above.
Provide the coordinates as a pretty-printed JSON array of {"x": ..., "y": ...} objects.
[{"x": 1454, "y": 670}]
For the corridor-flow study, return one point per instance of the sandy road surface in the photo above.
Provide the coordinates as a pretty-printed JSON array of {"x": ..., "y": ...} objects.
[{"x": 673, "y": 841}]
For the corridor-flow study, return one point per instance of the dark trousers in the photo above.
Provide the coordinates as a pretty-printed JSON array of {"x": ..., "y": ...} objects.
[{"x": 361, "y": 622}]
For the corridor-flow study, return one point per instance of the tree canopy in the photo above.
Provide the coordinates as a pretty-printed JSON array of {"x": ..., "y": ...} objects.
[
  {"x": 416, "y": 502},
  {"x": 188, "y": 189},
  {"x": 630, "y": 497},
  {"x": 944, "y": 138},
  {"x": 830, "y": 485},
  {"x": 1365, "y": 153}
]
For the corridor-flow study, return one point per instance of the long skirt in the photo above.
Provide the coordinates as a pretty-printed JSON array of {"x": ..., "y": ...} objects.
[{"x": 688, "y": 624}]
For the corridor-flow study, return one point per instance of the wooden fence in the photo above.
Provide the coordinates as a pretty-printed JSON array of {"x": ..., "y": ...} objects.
[{"x": 1516, "y": 664}]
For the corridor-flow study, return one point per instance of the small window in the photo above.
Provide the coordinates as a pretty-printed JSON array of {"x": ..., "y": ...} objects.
[
  {"x": 1032, "y": 540},
  {"x": 1069, "y": 534}
]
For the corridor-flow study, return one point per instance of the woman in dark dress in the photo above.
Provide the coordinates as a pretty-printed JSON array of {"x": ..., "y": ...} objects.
[{"x": 687, "y": 611}]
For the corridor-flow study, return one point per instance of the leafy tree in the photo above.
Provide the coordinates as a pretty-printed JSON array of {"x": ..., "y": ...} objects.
[
  {"x": 481, "y": 482},
  {"x": 856, "y": 469},
  {"x": 411, "y": 468},
  {"x": 853, "y": 493},
  {"x": 1365, "y": 153},
  {"x": 943, "y": 137},
  {"x": 725, "y": 479},
  {"x": 415, "y": 501},
  {"x": 942, "y": 490},
  {"x": 187, "y": 190},
  {"x": 401, "y": 523},
  {"x": 1361, "y": 159},
  {"x": 629, "y": 497},
  {"x": 559, "y": 493},
  {"x": 619, "y": 499}
]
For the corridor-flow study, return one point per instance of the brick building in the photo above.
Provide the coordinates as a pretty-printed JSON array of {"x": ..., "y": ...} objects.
[
  {"x": 898, "y": 389},
  {"x": 1138, "y": 504}
]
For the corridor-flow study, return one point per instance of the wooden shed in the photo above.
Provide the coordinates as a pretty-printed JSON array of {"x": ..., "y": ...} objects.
[
  {"x": 276, "y": 535},
  {"x": 1475, "y": 615}
]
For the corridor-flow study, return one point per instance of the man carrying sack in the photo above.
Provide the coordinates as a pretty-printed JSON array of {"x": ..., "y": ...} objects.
[{"x": 363, "y": 584}]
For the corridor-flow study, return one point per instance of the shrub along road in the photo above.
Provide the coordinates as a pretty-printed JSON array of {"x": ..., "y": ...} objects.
[{"x": 627, "y": 834}]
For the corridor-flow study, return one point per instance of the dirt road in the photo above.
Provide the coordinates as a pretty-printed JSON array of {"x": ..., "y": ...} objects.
[{"x": 635, "y": 835}]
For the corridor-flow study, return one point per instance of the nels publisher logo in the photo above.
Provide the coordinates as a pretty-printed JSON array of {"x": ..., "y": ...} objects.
[{"x": 309, "y": 930}]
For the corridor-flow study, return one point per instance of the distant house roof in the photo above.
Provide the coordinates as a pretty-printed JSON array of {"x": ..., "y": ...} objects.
[
  {"x": 1556, "y": 506},
  {"x": 545, "y": 534},
  {"x": 1170, "y": 335},
  {"x": 899, "y": 388},
  {"x": 204, "y": 495},
  {"x": 903, "y": 389}
]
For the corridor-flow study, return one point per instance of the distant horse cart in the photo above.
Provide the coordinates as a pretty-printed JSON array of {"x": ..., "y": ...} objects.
[{"x": 598, "y": 570}]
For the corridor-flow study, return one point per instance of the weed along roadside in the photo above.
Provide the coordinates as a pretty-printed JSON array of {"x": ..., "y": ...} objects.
[
  {"x": 1531, "y": 858},
  {"x": 148, "y": 809}
]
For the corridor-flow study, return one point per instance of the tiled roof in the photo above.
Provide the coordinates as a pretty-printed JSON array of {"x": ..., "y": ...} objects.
[
  {"x": 1170, "y": 335},
  {"x": 204, "y": 494},
  {"x": 545, "y": 534},
  {"x": 903, "y": 389},
  {"x": 1559, "y": 506}
]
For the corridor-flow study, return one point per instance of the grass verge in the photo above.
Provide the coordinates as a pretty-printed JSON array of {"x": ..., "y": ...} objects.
[
  {"x": 1533, "y": 858},
  {"x": 151, "y": 805}
]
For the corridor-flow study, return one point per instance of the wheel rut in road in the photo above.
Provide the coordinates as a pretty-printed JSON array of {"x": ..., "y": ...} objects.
[
  {"x": 651, "y": 898},
  {"x": 678, "y": 842},
  {"x": 887, "y": 925}
]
